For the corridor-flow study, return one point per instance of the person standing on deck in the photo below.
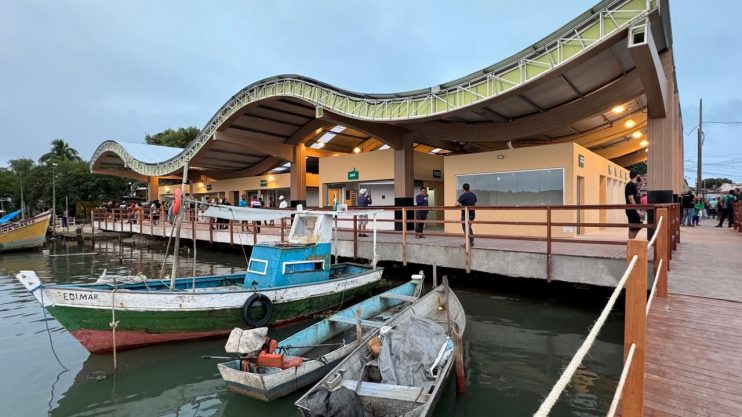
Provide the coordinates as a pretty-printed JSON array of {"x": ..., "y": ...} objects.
[
  {"x": 467, "y": 199},
  {"x": 631, "y": 192},
  {"x": 686, "y": 200},
  {"x": 256, "y": 203},
  {"x": 421, "y": 200},
  {"x": 283, "y": 203},
  {"x": 243, "y": 203},
  {"x": 697, "y": 210},
  {"x": 363, "y": 201}
]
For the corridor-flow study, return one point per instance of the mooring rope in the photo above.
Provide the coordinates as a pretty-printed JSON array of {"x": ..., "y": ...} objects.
[
  {"x": 48, "y": 332},
  {"x": 566, "y": 377},
  {"x": 114, "y": 324},
  {"x": 621, "y": 381}
]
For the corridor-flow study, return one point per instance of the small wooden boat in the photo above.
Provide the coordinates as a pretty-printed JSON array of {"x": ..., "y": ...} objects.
[
  {"x": 256, "y": 378},
  {"x": 418, "y": 349},
  {"x": 24, "y": 234},
  {"x": 283, "y": 282}
]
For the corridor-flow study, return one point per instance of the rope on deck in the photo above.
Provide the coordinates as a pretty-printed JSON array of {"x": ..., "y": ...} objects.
[
  {"x": 654, "y": 286},
  {"x": 621, "y": 381},
  {"x": 566, "y": 377}
]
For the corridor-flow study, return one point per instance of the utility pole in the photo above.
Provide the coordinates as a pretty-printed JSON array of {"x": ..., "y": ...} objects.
[
  {"x": 699, "y": 177},
  {"x": 23, "y": 202}
]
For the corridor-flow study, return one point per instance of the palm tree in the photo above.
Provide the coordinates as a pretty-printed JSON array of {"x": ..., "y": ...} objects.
[{"x": 61, "y": 150}]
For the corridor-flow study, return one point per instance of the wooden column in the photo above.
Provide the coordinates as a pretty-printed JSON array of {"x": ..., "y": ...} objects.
[
  {"x": 635, "y": 328},
  {"x": 404, "y": 192},
  {"x": 153, "y": 190},
  {"x": 299, "y": 176}
]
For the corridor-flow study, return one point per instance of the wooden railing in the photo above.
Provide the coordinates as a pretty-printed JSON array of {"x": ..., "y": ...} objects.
[
  {"x": 156, "y": 222},
  {"x": 630, "y": 387}
]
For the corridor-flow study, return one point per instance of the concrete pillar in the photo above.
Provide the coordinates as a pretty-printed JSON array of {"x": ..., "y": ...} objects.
[
  {"x": 153, "y": 188},
  {"x": 299, "y": 176},
  {"x": 404, "y": 192}
]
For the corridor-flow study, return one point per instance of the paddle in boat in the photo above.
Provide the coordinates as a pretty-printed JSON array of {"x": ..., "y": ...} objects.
[
  {"x": 283, "y": 282},
  {"x": 402, "y": 368},
  {"x": 23, "y": 234},
  {"x": 271, "y": 369}
]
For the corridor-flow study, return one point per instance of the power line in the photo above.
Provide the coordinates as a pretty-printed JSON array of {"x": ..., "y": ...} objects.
[{"x": 713, "y": 123}]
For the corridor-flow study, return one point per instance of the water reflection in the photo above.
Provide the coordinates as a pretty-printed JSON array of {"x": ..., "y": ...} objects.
[{"x": 517, "y": 343}]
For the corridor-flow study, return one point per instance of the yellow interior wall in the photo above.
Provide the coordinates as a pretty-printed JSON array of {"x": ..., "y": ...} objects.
[
  {"x": 564, "y": 156},
  {"x": 228, "y": 186}
]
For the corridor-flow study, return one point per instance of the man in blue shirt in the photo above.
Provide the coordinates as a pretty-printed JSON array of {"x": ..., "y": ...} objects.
[
  {"x": 467, "y": 199},
  {"x": 421, "y": 200}
]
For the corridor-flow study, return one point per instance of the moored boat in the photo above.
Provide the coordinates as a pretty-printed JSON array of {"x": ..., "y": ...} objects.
[
  {"x": 24, "y": 234},
  {"x": 418, "y": 349},
  {"x": 278, "y": 374},
  {"x": 283, "y": 282}
]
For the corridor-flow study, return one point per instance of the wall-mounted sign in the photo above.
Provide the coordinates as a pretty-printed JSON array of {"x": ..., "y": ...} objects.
[
  {"x": 581, "y": 161},
  {"x": 436, "y": 173},
  {"x": 208, "y": 187},
  {"x": 263, "y": 183},
  {"x": 353, "y": 174}
]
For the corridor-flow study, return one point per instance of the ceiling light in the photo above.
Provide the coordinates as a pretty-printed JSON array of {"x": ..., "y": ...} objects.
[
  {"x": 636, "y": 135},
  {"x": 356, "y": 150},
  {"x": 630, "y": 123},
  {"x": 271, "y": 178},
  {"x": 644, "y": 143},
  {"x": 646, "y": 150},
  {"x": 618, "y": 109}
]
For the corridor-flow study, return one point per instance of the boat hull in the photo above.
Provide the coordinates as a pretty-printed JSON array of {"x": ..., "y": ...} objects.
[
  {"x": 26, "y": 234},
  {"x": 151, "y": 317}
]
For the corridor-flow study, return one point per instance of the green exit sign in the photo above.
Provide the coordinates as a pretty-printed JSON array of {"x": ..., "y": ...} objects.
[
  {"x": 263, "y": 183},
  {"x": 353, "y": 174}
]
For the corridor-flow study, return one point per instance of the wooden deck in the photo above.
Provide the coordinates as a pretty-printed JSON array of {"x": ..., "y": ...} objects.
[{"x": 694, "y": 336}]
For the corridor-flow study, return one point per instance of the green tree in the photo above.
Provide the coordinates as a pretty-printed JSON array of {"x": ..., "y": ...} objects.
[
  {"x": 641, "y": 167},
  {"x": 61, "y": 151},
  {"x": 179, "y": 138},
  {"x": 715, "y": 182}
]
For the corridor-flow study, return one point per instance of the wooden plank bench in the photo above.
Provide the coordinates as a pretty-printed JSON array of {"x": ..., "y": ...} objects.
[
  {"x": 406, "y": 298},
  {"x": 353, "y": 321},
  {"x": 387, "y": 391}
]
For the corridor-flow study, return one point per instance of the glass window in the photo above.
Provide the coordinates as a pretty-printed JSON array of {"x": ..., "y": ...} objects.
[
  {"x": 521, "y": 188},
  {"x": 302, "y": 266},
  {"x": 257, "y": 266}
]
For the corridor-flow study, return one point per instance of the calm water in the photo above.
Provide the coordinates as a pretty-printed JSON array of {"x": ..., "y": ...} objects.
[{"x": 520, "y": 335}]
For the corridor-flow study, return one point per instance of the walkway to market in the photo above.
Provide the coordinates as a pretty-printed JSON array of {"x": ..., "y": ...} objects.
[
  {"x": 595, "y": 258},
  {"x": 694, "y": 336},
  {"x": 682, "y": 350}
]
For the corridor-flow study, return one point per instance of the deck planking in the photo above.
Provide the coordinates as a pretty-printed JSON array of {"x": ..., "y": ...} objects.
[{"x": 694, "y": 336}]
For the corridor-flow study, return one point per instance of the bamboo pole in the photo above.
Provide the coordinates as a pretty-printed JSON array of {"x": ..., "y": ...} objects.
[
  {"x": 179, "y": 223},
  {"x": 635, "y": 328}
]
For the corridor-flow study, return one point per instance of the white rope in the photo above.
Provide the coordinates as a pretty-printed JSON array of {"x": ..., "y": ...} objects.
[
  {"x": 656, "y": 233},
  {"x": 621, "y": 381},
  {"x": 566, "y": 377},
  {"x": 654, "y": 286}
]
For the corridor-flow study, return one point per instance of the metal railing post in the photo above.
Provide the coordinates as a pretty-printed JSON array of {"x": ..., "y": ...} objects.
[
  {"x": 635, "y": 328},
  {"x": 548, "y": 244},
  {"x": 283, "y": 226},
  {"x": 231, "y": 233},
  {"x": 467, "y": 246},
  {"x": 355, "y": 237},
  {"x": 404, "y": 236}
]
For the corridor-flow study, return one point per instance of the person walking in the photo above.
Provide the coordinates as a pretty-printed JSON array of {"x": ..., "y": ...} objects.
[
  {"x": 631, "y": 193},
  {"x": 686, "y": 200},
  {"x": 421, "y": 200},
  {"x": 724, "y": 208},
  {"x": 697, "y": 210},
  {"x": 363, "y": 201},
  {"x": 712, "y": 208},
  {"x": 732, "y": 198},
  {"x": 467, "y": 199}
]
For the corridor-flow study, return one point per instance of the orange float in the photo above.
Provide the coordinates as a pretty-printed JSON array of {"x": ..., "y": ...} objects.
[{"x": 177, "y": 202}]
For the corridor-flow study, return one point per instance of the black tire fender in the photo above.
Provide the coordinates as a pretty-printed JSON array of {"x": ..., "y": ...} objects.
[{"x": 250, "y": 302}]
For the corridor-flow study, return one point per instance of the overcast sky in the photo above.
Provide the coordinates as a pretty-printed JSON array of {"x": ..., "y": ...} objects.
[{"x": 87, "y": 71}]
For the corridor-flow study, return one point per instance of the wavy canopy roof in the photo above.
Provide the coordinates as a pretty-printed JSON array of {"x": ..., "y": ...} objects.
[{"x": 563, "y": 88}]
